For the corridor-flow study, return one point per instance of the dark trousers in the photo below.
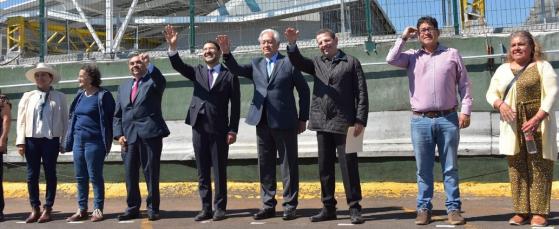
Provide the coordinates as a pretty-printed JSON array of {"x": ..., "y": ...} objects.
[
  {"x": 328, "y": 144},
  {"x": 47, "y": 150},
  {"x": 271, "y": 143},
  {"x": 211, "y": 150},
  {"x": 147, "y": 154}
]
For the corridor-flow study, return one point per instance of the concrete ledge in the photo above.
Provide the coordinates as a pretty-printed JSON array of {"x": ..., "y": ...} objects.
[{"x": 387, "y": 135}]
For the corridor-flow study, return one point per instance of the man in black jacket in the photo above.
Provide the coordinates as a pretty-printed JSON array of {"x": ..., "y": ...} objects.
[
  {"x": 339, "y": 101},
  {"x": 213, "y": 130}
]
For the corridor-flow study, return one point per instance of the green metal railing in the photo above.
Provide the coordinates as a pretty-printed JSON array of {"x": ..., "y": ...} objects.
[{"x": 199, "y": 20}]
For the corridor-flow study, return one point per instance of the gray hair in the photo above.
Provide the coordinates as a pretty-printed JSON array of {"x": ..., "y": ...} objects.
[{"x": 274, "y": 32}]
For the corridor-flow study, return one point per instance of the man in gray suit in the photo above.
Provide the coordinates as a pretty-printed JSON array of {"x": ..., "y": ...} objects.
[
  {"x": 274, "y": 113},
  {"x": 139, "y": 127}
]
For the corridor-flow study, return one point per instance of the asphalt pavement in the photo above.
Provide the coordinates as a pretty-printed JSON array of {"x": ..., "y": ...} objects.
[{"x": 178, "y": 212}]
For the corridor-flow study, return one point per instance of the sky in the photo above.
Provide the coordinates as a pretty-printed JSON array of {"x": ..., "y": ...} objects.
[
  {"x": 499, "y": 13},
  {"x": 8, "y": 3}
]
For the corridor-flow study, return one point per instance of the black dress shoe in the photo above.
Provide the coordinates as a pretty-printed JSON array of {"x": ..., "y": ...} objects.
[
  {"x": 324, "y": 214},
  {"x": 265, "y": 213},
  {"x": 203, "y": 215},
  {"x": 355, "y": 216},
  {"x": 153, "y": 216},
  {"x": 219, "y": 215},
  {"x": 289, "y": 214},
  {"x": 128, "y": 216}
]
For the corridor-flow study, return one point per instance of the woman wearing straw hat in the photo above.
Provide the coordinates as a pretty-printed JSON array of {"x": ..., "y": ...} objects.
[{"x": 42, "y": 118}]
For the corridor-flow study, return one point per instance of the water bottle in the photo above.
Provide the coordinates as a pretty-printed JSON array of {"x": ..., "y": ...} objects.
[{"x": 530, "y": 142}]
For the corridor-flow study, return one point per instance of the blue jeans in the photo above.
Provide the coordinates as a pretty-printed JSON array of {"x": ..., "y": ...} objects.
[
  {"x": 444, "y": 133},
  {"x": 37, "y": 149},
  {"x": 89, "y": 156}
]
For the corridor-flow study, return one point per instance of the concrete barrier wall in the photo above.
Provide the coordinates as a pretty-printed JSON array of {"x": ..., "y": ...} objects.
[{"x": 386, "y": 135}]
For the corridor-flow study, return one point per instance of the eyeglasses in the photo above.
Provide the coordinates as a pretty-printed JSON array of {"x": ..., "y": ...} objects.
[{"x": 427, "y": 30}]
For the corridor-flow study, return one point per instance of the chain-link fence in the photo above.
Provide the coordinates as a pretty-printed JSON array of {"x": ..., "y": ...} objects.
[{"x": 82, "y": 29}]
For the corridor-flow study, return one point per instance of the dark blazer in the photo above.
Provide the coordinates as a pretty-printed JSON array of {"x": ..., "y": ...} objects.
[
  {"x": 214, "y": 101},
  {"x": 143, "y": 118},
  {"x": 106, "y": 112},
  {"x": 340, "y": 97},
  {"x": 276, "y": 93}
]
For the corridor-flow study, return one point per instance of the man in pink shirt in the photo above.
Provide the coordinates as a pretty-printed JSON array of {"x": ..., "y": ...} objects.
[{"x": 435, "y": 72}]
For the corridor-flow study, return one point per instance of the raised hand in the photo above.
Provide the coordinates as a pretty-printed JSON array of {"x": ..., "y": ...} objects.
[
  {"x": 171, "y": 37},
  {"x": 409, "y": 32},
  {"x": 224, "y": 43},
  {"x": 291, "y": 34},
  {"x": 145, "y": 58}
]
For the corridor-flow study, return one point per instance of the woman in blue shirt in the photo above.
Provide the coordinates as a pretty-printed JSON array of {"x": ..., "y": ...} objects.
[{"x": 90, "y": 136}]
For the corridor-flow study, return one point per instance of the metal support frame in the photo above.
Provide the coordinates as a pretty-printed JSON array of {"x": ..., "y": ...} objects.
[
  {"x": 42, "y": 31},
  {"x": 443, "y": 8},
  {"x": 88, "y": 25},
  {"x": 370, "y": 45},
  {"x": 109, "y": 26},
  {"x": 456, "y": 21},
  {"x": 542, "y": 12},
  {"x": 122, "y": 29},
  {"x": 342, "y": 19},
  {"x": 192, "y": 11},
  {"x": 15, "y": 36}
]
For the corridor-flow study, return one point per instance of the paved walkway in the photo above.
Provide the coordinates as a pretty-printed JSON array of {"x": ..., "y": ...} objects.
[{"x": 178, "y": 212}]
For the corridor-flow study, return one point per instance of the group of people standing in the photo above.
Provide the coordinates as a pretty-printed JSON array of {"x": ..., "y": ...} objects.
[{"x": 523, "y": 90}]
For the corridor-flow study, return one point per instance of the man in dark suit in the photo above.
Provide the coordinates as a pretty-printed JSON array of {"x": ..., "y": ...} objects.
[
  {"x": 139, "y": 128},
  {"x": 274, "y": 113},
  {"x": 212, "y": 129},
  {"x": 340, "y": 100}
]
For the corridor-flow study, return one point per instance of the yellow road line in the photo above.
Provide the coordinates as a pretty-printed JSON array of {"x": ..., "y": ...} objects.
[{"x": 307, "y": 190}]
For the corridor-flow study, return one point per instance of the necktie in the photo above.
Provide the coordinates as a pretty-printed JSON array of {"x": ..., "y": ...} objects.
[
  {"x": 134, "y": 91},
  {"x": 269, "y": 68},
  {"x": 210, "y": 77},
  {"x": 43, "y": 102}
]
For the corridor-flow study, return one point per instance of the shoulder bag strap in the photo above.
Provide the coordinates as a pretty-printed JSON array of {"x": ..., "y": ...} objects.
[{"x": 514, "y": 80}]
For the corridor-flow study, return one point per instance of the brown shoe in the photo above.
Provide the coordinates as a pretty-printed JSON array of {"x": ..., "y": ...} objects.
[
  {"x": 538, "y": 221},
  {"x": 97, "y": 215},
  {"x": 34, "y": 216},
  {"x": 46, "y": 216},
  {"x": 78, "y": 216},
  {"x": 423, "y": 217},
  {"x": 455, "y": 218},
  {"x": 519, "y": 219}
]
